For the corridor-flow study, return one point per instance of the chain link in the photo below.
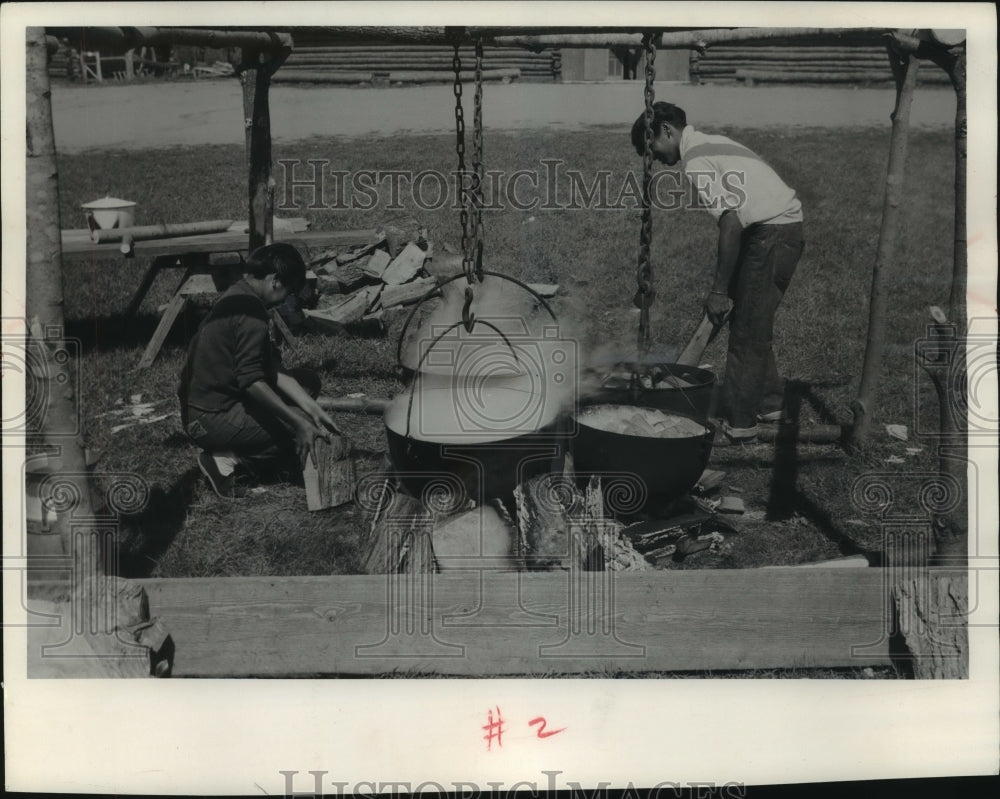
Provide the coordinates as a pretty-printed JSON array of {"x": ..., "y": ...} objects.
[
  {"x": 456, "y": 65},
  {"x": 644, "y": 273},
  {"x": 477, "y": 163}
]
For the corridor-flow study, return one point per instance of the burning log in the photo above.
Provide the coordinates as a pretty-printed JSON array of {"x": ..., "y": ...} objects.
[
  {"x": 546, "y": 526},
  {"x": 330, "y": 482}
]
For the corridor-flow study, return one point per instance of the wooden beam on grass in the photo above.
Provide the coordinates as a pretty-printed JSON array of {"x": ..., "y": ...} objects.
[
  {"x": 904, "y": 68},
  {"x": 633, "y": 622}
]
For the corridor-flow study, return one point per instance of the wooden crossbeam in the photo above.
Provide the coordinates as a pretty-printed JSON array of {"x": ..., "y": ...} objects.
[{"x": 520, "y": 623}]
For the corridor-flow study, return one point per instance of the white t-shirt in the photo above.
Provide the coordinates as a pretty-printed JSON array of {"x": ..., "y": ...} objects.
[{"x": 730, "y": 177}]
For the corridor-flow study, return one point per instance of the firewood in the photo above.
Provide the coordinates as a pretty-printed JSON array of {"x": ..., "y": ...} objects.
[
  {"x": 479, "y": 533},
  {"x": 328, "y": 284},
  {"x": 393, "y": 296},
  {"x": 551, "y": 536},
  {"x": 332, "y": 318},
  {"x": 404, "y": 266},
  {"x": 396, "y": 521},
  {"x": 376, "y": 265},
  {"x": 400, "y": 232},
  {"x": 330, "y": 482}
]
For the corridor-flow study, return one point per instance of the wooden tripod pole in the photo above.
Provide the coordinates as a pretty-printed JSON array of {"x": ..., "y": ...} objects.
[{"x": 905, "y": 69}]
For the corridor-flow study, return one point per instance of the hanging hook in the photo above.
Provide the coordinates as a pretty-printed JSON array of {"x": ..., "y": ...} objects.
[{"x": 468, "y": 318}]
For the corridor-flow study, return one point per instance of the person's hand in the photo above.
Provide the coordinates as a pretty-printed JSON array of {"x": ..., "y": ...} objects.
[
  {"x": 324, "y": 422},
  {"x": 718, "y": 307},
  {"x": 306, "y": 434}
]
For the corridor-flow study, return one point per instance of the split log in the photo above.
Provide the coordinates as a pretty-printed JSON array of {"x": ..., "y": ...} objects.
[
  {"x": 548, "y": 521},
  {"x": 350, "y": 275},
  {"x": 401, "y": 231},
  {"x": 376, "y": 264},
  {"x": 327, "y": 284},
  {"x": 407, "y": 293},
  {"x": 479, "y": 534},
  {"x": 404, "y": 266},
  {"x": 330, "y": 481},
  {"x": 397, "y": 519},
  {"x": 332, "y": 318}
]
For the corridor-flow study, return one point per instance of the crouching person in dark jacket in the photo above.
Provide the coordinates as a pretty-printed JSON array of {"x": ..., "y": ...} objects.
[{"x": 237, "y": 404}]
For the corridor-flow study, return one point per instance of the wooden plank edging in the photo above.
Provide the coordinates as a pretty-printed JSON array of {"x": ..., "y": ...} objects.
[{"x": 505, "y": 624}]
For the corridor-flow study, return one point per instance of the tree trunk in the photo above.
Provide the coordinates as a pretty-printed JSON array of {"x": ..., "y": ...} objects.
[
  {"x": 905, "y": 68},
  {"x": 956, "y": 302},
  {"x": 57, "y": 421}
]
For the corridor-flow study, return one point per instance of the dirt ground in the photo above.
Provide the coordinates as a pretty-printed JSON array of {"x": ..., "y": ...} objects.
[{"x": 210, "y": 112}]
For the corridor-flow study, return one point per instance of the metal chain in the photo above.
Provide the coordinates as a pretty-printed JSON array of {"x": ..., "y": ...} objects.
[
  {"x": 477, "y": 163},
  {"x": 467, "y": 261},
  {"x": 644, "y": 274}
]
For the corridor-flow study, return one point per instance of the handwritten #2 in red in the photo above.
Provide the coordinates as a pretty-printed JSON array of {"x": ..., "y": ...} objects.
[{"x": 494, "y": 728}]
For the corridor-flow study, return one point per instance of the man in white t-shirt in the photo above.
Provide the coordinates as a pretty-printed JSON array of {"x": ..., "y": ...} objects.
[{"x": 760, "y": 242}]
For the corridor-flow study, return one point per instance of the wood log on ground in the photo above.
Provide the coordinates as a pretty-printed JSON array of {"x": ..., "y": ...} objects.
[
  {"x": 407, "y": 293},
  {"x": 327, "y": 284},
  {"x": 330, "y": 480},
  {"x": 826, "y": 77},
  {"x": 396, "y": 519},
  {"x": 932, "y": 609},
  {"x": 371, "y": 405},
  {"x": 349, "y": 310},
  {"x": 478, "y": 535},
  {"x": 404, "y": 266},
  {"x": 400, "y": 231},
  {"x": 293, "y": 76},
  {"x": 350, "y": 275},
  {"x": 376, "y": 264},
  {"x": 553, "y": 538},
  {"x": 413, "y": 76}
]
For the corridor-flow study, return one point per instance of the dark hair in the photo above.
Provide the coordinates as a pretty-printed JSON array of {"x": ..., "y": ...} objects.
[
  {"x": 663, "y": 114},
  {"x": 282, "y": 260}
]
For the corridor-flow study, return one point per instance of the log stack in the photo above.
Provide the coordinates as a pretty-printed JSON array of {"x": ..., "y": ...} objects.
[
  {"x": 320, "y": 59},
  {"x": 806, "y": 64},
  {"x": 355, "y": 288}
]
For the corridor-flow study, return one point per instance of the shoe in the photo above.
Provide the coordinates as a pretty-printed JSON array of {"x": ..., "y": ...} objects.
[
  {"x": 773, "y": 416},
  {"x": 740, "y": 435},
  {"x": 223, "y": 485}
]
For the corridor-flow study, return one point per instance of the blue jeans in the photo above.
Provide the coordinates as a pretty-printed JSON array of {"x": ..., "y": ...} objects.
[{"x": 768, "y": 257}]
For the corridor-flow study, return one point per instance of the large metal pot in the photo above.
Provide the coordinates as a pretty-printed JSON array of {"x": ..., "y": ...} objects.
[
  {"x": 683, "y": 390},
  {"x": 481, "y": 411},
  {"x": 471, "y": 442},
  {"x": 639, "y": 473}
]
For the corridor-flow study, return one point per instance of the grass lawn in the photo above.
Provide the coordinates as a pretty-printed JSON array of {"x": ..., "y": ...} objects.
[{"x": 800, "y": 510}]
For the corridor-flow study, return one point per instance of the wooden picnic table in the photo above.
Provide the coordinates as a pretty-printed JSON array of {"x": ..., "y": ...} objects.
[{"x": 192, "y": 254}]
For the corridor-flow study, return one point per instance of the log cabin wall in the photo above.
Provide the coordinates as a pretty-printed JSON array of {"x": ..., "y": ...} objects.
[
  {"x": 830, "y": 62},
  {"x": 318, "y": 52}
]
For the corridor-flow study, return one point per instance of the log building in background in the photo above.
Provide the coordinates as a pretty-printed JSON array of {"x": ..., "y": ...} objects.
[{"x": 815, "y": 63}]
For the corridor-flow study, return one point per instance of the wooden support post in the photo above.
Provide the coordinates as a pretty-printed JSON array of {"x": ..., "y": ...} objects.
[
  {"x": 173, "y": 310},
  {"x": 129, "y": 67},
  {"x": 905, "y": 69},
  {"x": 44, "y": 294},
  {"x": 956, "y": 301},
  {"x": 256, "y": 69}
]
